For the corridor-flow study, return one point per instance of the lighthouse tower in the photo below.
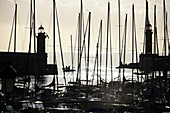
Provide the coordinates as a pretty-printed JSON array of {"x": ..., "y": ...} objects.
[
  {"x": 41, "y": 40},
  {"x": 148, "y": 33}
]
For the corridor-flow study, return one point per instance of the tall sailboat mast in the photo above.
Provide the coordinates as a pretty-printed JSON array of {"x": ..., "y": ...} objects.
[
  {"x": 101, "y": 51},
  {"x": 78, "y": 54},
  {"x": 30, "y": 26},
  {"x": 80, "y": 34},
  {"x": 61, "y": 50},
  {"x": 34, "y": 28},
  {"x": 72, "y": 60},
  {"x": 96, "y": 62},
  {"x": 156, "y": 48},
  {"x": 133, "y": 30},
  {"x": 134, "y": 42},
  {"x": 124, "y": 47},
  {"x": 88, "y": 52},
  {"x": 111, "y": 61},
  {"x": 167, "y": 36},
  {"x": 15, "y": 27},
  {"x": 100, "y": 62},
  {"x": 108, "y": 22},
  {"x": 11, "y": 33},
  {"x": 164, "y": 12},
  {"x": 120, "y": 62},
  {"x": 54, "y": 51}
]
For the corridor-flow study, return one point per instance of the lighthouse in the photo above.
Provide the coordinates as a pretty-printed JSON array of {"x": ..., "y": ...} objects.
[
  {"x": 148, "y": 33},
  {"x": 41, "y": 41}
]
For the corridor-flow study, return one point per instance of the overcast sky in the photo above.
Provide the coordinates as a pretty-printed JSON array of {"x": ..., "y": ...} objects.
[{"x": 68, "y": 17}]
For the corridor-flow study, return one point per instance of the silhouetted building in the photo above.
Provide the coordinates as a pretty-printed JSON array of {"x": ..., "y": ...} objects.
[{"x": 30, "y": 63}]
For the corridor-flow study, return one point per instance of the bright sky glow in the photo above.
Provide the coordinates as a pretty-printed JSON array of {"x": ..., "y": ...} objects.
[{"x": 68, "y": 17}]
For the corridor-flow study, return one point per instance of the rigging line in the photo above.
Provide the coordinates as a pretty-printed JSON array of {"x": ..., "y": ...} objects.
[
  {"x": 11, "y": 34},
  {"x": 60, "y": 44}
]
